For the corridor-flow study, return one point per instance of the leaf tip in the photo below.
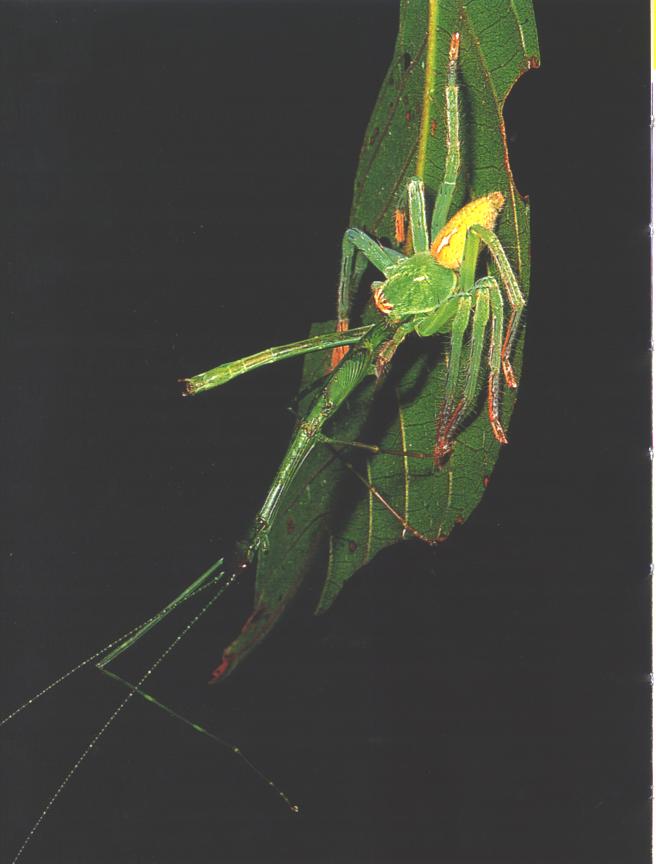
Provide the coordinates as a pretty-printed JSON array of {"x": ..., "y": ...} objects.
[{"x": 220, "y": 671}]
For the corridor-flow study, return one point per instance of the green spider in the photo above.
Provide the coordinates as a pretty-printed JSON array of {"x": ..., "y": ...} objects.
[{"x": 431, "y": 291}]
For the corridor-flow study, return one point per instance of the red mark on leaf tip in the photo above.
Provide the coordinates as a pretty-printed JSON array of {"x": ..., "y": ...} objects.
[
  {"x": 352, "y": 546},
  {"x": 486, "y": 481},
  {"x": 532, "y": 63},
  {"x": 253, "y": 618},
  {"x": 220, "y": 670},
  {"x": 442, "y": 537},
  {"x": 290, "y": 525},
  {"x": 459, "y": 520}
]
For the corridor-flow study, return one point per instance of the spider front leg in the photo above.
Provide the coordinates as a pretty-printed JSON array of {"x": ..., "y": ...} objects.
[
  {"x": 417, "y": 214},
  {"x": 357, "y": 249},
  {"x": 444, "y": 197},
  {"x": 452, "y": 165}
]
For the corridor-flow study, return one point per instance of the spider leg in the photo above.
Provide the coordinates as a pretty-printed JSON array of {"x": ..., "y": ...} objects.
[
  {"x": 452, "y": 166},
  {"x": 417, "y": 213},
  {"x": 458, "y": 327},
  {"x": 354, "y": 270},
  {"x": 494, "y": 358},
  {"x": 450, "y": 417},
  {"x": 514, "y": 295},
  {"x": 356, "y": 240},
  {"x": 357, "y": 249}
]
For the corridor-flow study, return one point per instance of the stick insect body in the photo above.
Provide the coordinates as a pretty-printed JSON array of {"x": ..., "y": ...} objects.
[{"x": 432, "y": 290}]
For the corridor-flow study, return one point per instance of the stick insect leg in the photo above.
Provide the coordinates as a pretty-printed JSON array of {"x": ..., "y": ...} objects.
[
  {"x": 513, "y": 293},
  {"x": 227, "y": 371},
  {"x": 374, "y": 449},
  {"x": 452, "y": 166},
  {"x": 407, "y": 527}
]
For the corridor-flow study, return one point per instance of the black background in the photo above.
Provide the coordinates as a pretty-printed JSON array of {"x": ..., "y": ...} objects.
[{"x": 176, "y": 178}]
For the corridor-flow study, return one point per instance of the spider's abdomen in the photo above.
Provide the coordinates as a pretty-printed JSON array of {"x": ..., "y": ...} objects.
[
  {"x": 414, "y": 286},
  {"x": 448, "y": 246}
]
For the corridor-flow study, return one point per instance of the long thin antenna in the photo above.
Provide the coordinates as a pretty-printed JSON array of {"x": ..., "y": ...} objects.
[
  {"x": 198, "y": 728},
  {"x": 98, "y": 735},
  {"x": 204, "y": 581}
]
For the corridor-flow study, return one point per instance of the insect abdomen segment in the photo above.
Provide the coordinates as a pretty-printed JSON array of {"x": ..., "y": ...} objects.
[
  {"x": 449, "y": 244},
  {"x": 343, "y": 380}
]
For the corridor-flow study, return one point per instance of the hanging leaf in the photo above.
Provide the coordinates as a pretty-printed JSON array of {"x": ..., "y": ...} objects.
[{"x": 332, "y": 523}]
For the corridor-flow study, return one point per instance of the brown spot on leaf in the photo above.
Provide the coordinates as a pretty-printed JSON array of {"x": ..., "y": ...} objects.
[
  {"x": 459, "y": 520},
  {"x": 433, "y": 127},
  {"x": 352, "y": 546},
  {"x": 533, "y": 63},
  {"x": 442, "y": 537},
  {"x": 373, "y": 136},
  {"x": 290, "y": 525},
  {"x": 486, "y": 481}
]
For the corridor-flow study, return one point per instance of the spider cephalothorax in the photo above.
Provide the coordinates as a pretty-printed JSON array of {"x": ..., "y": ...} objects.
[
  {"x": 433, "y": 290},
  {"x": 421, "y": 282}
]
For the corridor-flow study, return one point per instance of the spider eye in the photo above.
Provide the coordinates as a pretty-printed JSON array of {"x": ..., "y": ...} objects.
[{"x": 383, "y": 305}]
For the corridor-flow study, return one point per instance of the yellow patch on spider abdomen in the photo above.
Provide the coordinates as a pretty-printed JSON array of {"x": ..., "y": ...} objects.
[{"x": 449, "y": 245}]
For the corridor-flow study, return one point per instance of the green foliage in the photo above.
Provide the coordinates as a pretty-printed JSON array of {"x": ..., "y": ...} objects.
[{"x": 331, "y": 524}]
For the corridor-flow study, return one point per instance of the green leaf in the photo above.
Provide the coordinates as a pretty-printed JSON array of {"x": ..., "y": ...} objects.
[{"x": 331, "y": 522}]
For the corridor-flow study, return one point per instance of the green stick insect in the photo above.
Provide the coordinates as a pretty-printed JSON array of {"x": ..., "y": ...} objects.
[{"x": 430, "y": 291}]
